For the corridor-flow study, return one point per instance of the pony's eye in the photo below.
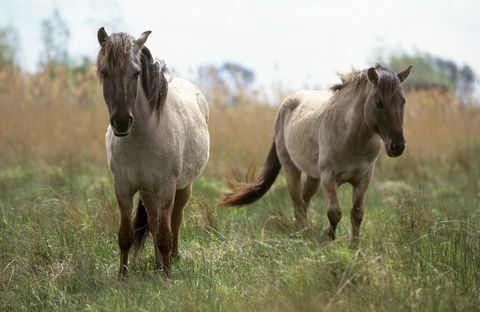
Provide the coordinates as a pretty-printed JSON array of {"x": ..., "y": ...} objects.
[
  {"x": 135, "y": 75},
  {"x": 379, "y": 103},
  {"x": 104, "y": 73}
]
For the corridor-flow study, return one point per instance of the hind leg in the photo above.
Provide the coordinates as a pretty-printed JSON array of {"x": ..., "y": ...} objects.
[
  {"x": 125, "y": 232},
  {"x": 309, "y": 189},
  {"x": 181, "y": 199},
  {"x": 294, "y": 185}
]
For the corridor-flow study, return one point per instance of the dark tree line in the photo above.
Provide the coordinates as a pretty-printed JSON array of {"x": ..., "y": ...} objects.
[{"x": 434, "y": 72}]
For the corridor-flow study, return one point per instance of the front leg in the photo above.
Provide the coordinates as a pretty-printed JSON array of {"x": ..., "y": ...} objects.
[
  {"x": 125, "y": 232},
  {"x": 165, "y": 236},
  {"x": 159, "y": 208},
  {"x": 358, "y": 201},
  {"x": 334, "y": 211}
]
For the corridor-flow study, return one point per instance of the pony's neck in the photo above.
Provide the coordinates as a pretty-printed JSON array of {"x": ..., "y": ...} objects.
[
  {"x": 358, "y": 131},
  {"x": 144, "y": 117}
]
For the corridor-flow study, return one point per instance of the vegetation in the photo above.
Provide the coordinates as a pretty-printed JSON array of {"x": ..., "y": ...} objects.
[
  {"x": 433, "y": 72},
  {"x": 420, "y": 247}
]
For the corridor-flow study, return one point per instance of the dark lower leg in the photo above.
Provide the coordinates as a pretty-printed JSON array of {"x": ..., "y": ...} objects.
[
  {"x": 165, "y": 242},
  {"x": 334, "y": 212},
  {"x": 334, "y": 215},
  {"x": 181, "y": 198},
  {"x": 125, "y": 240},
  {"x": 356, "y": 217},
  {"x": 153, "y": 227},
  {"x": 358, "y": 199},
  {"x": 125, "y": 235}
]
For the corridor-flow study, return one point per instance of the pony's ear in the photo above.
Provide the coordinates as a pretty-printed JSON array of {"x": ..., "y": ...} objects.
[
  {"x": 143, "y": 38},
  {"x": 102, "y": 36},
  {"x": 372, "y": 75},
  {"x": 403, "y": 75}
]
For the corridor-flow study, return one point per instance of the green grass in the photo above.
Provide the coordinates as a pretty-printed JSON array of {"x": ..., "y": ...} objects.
[{"x": 420, "y": 248}]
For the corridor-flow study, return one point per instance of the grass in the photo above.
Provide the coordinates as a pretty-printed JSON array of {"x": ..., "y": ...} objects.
[{"x": 420, "y": 250}]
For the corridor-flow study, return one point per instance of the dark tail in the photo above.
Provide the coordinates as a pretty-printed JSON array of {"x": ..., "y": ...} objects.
[
  {"x": 140, "y": 227},
  {"x": 247, "y": 193}
]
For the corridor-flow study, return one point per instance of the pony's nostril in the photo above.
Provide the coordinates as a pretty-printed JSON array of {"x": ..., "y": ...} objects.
[
  {"x": 397, "y": 147},
  {"x": 130, "y": 121},
  {"x": 112, "y": 122}
]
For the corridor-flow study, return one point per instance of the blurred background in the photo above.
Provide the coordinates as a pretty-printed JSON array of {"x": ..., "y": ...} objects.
[{"x": 245, "y": 56}]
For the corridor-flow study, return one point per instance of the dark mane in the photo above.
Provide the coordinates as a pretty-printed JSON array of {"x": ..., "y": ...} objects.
[
  {"x": 154, "y": 82},
  {"x": 357, "y": 80}
]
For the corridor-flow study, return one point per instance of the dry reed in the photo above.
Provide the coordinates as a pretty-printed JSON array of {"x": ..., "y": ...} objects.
[{"x": 58, "y": 116}]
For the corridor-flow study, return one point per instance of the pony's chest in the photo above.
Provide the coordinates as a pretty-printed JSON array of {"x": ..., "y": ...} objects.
[
  {"x": 353, "y": 172},
  {"x": 141, "y": 169},
  {"x": 350, "y": 165}
]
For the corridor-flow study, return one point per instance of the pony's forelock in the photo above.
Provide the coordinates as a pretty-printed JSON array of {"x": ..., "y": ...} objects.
[{"x": 357, "y": 81}]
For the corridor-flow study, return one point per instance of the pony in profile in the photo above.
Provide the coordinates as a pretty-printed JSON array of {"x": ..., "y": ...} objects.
[{"x": 334, "y": 138}]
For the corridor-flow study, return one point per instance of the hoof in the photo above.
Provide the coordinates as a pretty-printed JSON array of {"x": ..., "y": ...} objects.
[
  {"x": 330, "y": 233},
  {"x": 302, "y": 224},
  {"x": 355, "y": 243},
  {"x": 176, "y": 256},
  {"x": 164, "y": 272},
  {"x": 123, "y": 271}
]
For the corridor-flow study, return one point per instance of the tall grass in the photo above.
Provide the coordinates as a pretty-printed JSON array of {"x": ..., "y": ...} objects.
[{"x": 56, "y": 115}]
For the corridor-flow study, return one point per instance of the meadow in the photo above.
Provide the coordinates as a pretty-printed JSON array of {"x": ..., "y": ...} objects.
[{"x": 420, "y": 240}]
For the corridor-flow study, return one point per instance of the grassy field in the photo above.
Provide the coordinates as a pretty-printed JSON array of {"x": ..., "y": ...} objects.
[{"x": 420, "y": 246}]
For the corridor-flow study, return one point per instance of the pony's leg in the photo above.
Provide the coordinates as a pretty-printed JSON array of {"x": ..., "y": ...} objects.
[
  {"x": 152, "y": 217},
  {"x": 181, "y": 198},
  {"x": 125, "y": 232},
  {"x": 309, "y": 189},
  {"x": 294, "y": 186},
  {"x": 358, "y": 200},
  {"x": 159, "y": 209},
  {"x": 293, "y": 175},
  {"x": 334, "y": 211},
  {"x": 294, "y": 183},
  {"x": 164, "y": 234}
]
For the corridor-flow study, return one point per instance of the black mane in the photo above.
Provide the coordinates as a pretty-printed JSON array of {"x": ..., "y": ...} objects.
[{"x": 154, "y": 82}]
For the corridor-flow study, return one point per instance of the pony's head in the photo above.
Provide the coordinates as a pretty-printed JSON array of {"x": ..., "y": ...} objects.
[
  {"x": 121, "y": 60},
  {"x": 384, "y": 107}
]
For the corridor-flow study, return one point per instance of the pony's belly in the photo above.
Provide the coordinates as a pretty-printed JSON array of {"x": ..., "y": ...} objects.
[
  {"x": 304, "y": 157},
  {"x": 306, "y": 164},
  {"x": 303, "y": 151}
]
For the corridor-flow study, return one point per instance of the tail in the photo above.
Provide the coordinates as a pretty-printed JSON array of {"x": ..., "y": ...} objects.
[
  {"x": 247, "y": 193},
  {"x": 140, "y": 227}
]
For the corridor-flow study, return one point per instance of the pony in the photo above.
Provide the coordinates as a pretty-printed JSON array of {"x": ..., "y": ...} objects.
[
  {"x": 334, "y": 138},
  {"x": 157, "y": 143}
]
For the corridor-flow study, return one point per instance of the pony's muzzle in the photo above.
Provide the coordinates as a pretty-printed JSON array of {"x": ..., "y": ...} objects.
[
  {"x": 395, "y": 149},
  {"x": 121, "y": 126}
]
